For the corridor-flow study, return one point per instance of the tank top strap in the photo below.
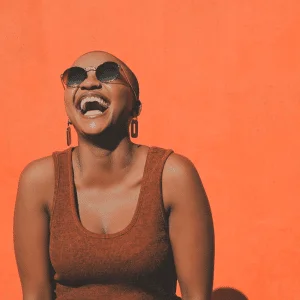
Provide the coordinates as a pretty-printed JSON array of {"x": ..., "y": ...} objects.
[
  {"x": 155, "y": 165},
  {"x": 152, "y": 212},
  {"x": 62, "y": 177},
  {"x": 60, "y": 204}
]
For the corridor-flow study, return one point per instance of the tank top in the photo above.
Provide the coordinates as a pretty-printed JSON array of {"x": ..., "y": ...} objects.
[{"x": 135, "y": 263}]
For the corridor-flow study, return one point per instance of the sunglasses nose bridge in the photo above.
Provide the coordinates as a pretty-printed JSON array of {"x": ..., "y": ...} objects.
[{"x": 91, "y": 80}]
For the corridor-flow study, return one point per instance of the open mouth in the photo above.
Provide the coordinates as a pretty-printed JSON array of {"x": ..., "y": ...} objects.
[{"x": 93, "y": 105}]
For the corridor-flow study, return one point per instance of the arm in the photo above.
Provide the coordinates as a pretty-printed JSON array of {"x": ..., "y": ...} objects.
[
  {"x": 31, "y": 232},
  {"x": 190, "y": 228}
]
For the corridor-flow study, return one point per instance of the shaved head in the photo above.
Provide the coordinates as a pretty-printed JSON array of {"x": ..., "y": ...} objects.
[{"x": 99, "y": 57}]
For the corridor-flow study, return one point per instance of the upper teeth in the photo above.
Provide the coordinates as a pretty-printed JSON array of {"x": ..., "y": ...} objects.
[{"x": 92, "y": 99}]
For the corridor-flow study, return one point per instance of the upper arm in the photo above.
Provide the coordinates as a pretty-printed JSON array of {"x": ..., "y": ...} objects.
[
  {"x": 31, "y": 232},
  {"x": 190, "y": 228}
]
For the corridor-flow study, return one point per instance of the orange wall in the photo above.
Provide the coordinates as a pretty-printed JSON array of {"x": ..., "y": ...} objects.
[{"x": 219, "y": 84}]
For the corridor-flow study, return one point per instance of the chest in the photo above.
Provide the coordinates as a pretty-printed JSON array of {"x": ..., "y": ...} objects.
[{"x": 107, "y": 210}]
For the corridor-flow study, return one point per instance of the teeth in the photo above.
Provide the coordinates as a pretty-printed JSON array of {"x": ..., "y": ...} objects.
[
  {"x": 92, "y": 99},
  {"x": 93, "y": 113}
]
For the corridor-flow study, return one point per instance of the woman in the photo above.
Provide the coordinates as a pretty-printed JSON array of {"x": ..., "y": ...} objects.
[{"x": 110, "y": 219}]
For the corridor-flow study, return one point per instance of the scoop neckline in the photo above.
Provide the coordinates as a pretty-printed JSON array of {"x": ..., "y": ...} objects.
[{"x": 73, "y": 201}]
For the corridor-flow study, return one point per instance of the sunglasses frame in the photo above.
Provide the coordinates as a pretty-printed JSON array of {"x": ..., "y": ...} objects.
[{"x": 88, "y": 69}]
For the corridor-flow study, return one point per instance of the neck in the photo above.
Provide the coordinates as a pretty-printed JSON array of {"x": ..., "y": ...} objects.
[{"x": 106, "y": 164}]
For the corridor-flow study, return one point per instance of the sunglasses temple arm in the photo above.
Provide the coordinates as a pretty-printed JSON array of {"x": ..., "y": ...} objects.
[{"x": 127, "y": 79}]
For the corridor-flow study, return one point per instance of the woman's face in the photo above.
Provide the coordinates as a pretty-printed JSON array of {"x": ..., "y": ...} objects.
[{"x": 117, "y": 95}]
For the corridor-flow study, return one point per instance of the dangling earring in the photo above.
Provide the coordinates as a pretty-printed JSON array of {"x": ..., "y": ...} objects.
[
  {"x": 134, "y": 127},
  {"x": 69, "y": 133}
]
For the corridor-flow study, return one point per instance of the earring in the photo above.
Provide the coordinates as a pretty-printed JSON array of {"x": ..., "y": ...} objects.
[
  {"x": 69, "y": 133},
  {"x": 134, "y": 127}
]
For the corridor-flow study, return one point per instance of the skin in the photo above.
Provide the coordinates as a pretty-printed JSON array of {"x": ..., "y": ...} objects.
[{"x": 107, "y": 161}]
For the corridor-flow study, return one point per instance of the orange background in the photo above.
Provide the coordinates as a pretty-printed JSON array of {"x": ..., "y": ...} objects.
[{"x": 219, "y": 84}]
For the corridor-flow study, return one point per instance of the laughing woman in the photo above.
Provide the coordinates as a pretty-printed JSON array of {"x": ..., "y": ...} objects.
[{"x": 111, "y": 219}]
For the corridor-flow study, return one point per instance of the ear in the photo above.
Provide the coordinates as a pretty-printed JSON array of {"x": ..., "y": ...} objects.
[{"x": 137, "y": 108}]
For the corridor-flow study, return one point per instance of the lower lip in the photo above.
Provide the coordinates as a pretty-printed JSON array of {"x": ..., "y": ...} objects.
[{"x": 92, "y": 116}]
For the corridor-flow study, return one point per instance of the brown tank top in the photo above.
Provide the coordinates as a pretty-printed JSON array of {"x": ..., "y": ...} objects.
[{"x": 135, "y": 263}]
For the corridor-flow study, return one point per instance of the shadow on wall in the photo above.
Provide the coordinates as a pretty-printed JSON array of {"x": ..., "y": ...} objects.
[{"x": 227, "y": 293}]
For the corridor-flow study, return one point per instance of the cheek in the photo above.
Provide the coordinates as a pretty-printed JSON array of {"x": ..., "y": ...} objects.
[
  {"x": 68, "y": 97},
  {"x": 68, "y": 101},
  {"x": 124, "y": 96}
]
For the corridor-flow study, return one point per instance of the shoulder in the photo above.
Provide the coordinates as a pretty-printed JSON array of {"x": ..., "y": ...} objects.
[
  {"x": 180, "y": 177},
  {"x": 39, "y": 170},
  {"x": 179, "y": 167},
  {"x": 37, "y": 178}
]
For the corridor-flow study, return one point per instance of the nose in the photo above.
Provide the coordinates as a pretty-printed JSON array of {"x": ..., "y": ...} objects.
[{"x": 91, "y": 82}]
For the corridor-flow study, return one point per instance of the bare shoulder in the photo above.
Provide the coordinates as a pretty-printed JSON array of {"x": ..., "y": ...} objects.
[
  {"x": 39, "y": 171},
  {"x": 38, "y": 176},
  {"x": 178, "y": 165},
  {"x": 179, "y": 176}
]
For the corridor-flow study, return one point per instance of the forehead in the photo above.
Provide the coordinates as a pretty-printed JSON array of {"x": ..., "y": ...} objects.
[{"x": 94, "y": 59}]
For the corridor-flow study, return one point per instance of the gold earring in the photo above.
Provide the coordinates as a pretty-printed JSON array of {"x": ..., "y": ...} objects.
[
  {"x": 134, "y": 127},
  {"x": 69, "y": 133}
]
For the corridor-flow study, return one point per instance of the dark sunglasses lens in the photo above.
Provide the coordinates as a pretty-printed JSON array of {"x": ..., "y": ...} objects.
[
  {"x": 107, "y": 72},
  {"x": 74, "y": 76}
]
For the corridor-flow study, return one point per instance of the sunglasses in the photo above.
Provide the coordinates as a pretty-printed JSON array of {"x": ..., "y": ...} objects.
[{"x": 105, "y": 73}]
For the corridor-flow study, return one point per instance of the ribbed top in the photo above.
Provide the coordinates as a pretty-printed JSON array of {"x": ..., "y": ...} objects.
[{"x": 135, "y": 263}]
